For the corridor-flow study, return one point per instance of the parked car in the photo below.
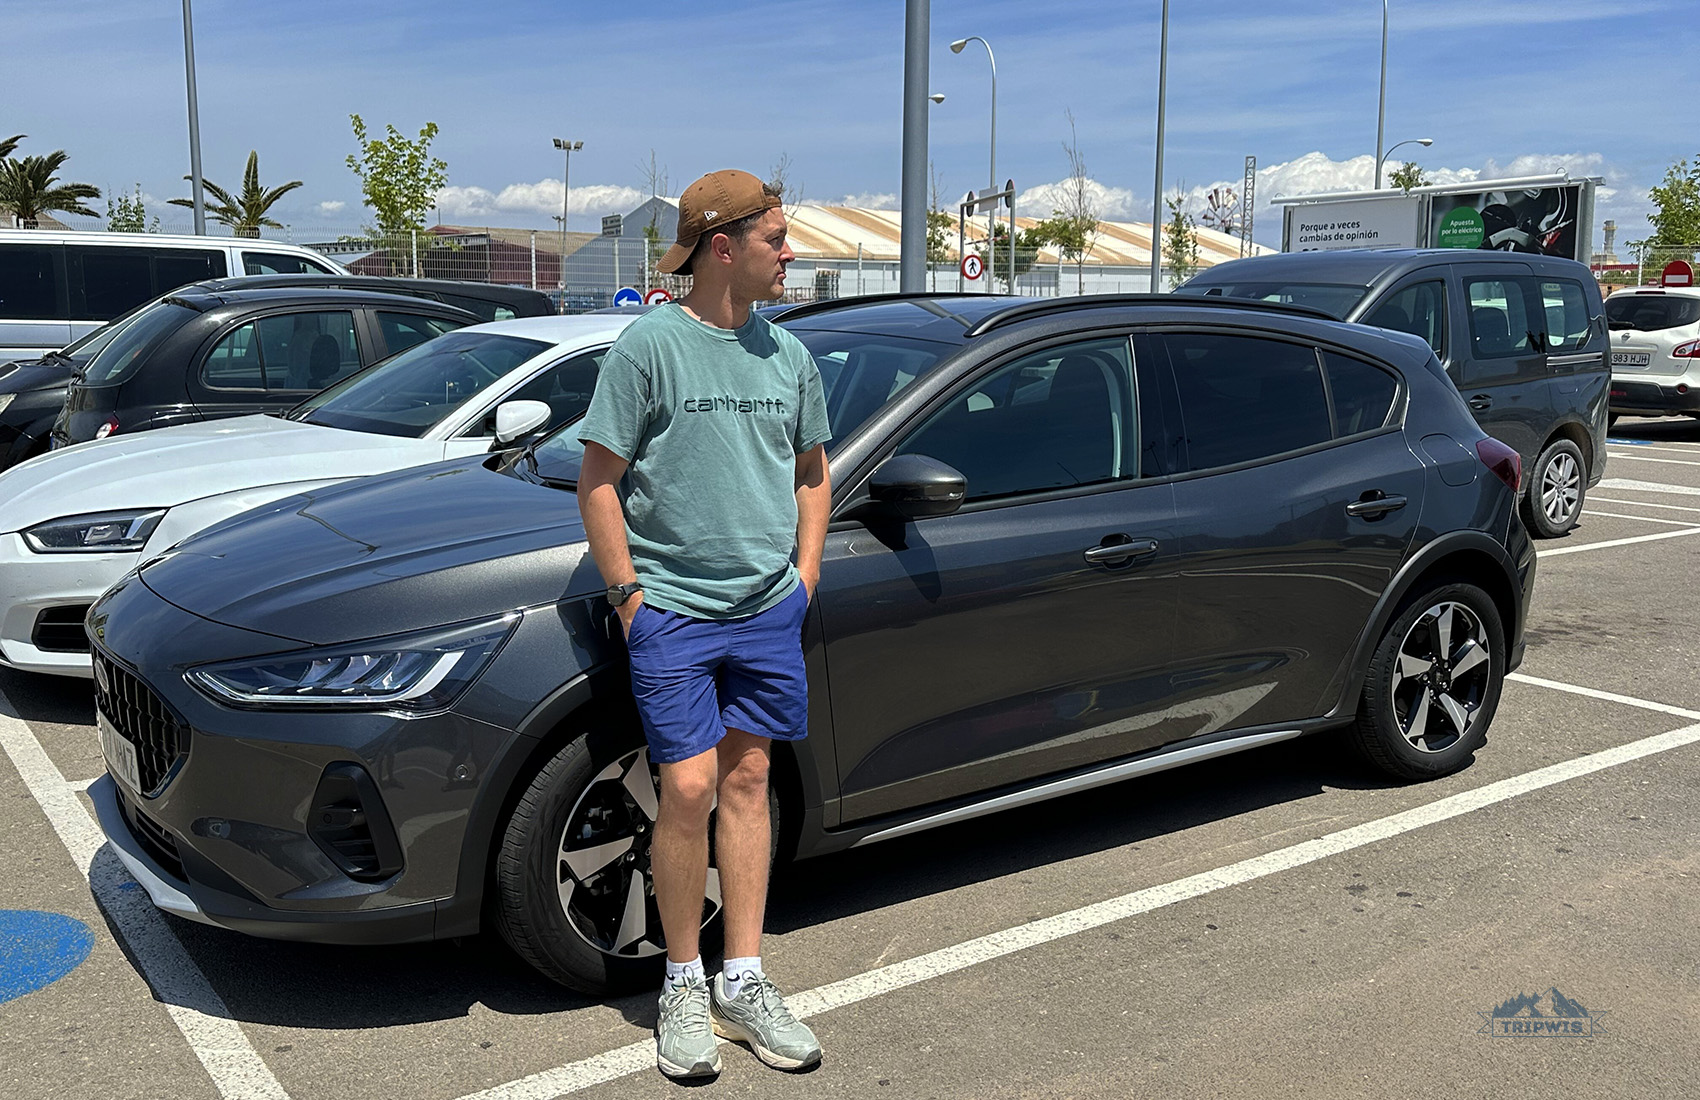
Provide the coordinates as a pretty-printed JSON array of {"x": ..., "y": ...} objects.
[
  {"x": 1655, "y": 351},
  {"x": 486, "y": 301},
  {"x": 1072, "y": 540},
  {"x": 57, "y": 286},
  {"x": 32, "y": 392},
  {"x": 1523, "y": 337},
  {"x": 200, "y": 354},
  {"x": 75, "y": 521}
]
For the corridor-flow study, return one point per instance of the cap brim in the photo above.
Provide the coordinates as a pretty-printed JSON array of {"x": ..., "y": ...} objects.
[{"x": 677, "y": 260}]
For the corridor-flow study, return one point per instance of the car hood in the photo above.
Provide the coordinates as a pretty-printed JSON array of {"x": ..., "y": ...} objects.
[
  {"x": 439, "y": 544},
  {"x": 170, "y": 466},
  {"x": 34, "y": 374}
]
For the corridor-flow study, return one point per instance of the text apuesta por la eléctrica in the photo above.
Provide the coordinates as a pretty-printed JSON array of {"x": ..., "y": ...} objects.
[{"x": 1316, "y": 232}]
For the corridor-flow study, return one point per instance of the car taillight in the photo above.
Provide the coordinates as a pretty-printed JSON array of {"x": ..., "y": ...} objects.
[
  {"x": 1690, "y": 350},
  {"x": 107, "y": 426},
  {"x": 1506, "y": 464}
]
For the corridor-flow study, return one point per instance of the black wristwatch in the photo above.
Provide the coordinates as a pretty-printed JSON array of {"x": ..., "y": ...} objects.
[{"x": 618, "y": 594}]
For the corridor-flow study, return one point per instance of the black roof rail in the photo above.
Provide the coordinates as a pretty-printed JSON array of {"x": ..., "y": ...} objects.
[
  {"x": 1027, "y": 310},
  {"x": 826, "y": 305}
]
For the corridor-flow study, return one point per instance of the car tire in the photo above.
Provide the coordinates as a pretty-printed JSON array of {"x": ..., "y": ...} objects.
[
  {"x": 1434, "y": 684},
  {"x": 575, "y": 920},
  {"x": 1557, "y": 484}
]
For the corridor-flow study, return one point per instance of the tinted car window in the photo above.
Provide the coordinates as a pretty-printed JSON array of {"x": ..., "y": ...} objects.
[
  {"x": 1243, "y": 397},
  {"x": 482, "y": 308},
  {"x": 1500, "y": 325},
  {"x": 308, "y": 351},
  {"x": 1332, "y": 298},
  {"x": 865, "y": 370},
  {"x": 1566, "y": 311},
  {"x": 564, "y": 387},
  {"x": 410, "y": 393},
  {"x": 180, "y": 268},
  {"x": 29, "y": 286},
  {"x": 130, "y": 346},
  {"x": 1419, "y": 309},
  {"x": 403, "y": 330},
  {"x": 1052, "y": 420},
  {"x": 278, "y": 263},
  {"x": 1651, "y": 312},
  {"x": 234, "y": 362},
  {"x": 107, "y": 281},
  {"x": 1360, "y": 395}
]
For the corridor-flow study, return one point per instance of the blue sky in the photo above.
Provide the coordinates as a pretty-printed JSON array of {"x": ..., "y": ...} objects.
[{"x": 1501, "y": 85}]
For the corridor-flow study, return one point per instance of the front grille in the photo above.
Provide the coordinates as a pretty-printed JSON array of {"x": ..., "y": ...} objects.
[
  {"x": 142, "y": 718},
  {"x": 60, "y": 629},
  {"x": 153, "y": 837}
]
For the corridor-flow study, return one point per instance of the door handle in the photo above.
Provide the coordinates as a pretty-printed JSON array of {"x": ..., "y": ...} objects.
[
  {"x": 1481, "y": 401},
  {"x": 1375, "y": 506},
  {"x": 1110, "y": 553}
]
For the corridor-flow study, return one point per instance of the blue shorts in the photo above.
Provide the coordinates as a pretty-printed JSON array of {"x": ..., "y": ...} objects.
[{"x": 695, "y": 678}]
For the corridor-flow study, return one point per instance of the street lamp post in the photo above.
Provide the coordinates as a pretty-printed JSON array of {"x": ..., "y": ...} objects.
[
  {"x": 1157, "y": 189},
  {"x": 568, "y": 148},
  {"x": 198, "y": 196},
  {"x": 1424, "y": 142},
  {"x": 1381, "y": 108},
  {"x": 992, "y": 177}
]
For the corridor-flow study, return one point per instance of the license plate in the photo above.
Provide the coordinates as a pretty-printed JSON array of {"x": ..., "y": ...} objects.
[
  {"x": 120, "y": 754},
  {"x": 1631, "y": 358}
]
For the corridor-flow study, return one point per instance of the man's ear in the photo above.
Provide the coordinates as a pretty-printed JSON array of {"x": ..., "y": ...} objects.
[{"x": 720, "y": 247}]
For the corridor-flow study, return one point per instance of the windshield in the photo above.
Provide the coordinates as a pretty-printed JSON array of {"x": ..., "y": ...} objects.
[
  {"x": 1651, "y": 312},
  {"x": 860, "y": 372},
  {"x": 411, "y": 393},
  {"x": 1332, "y": 298},
  {"x": 131, "y": 341}
]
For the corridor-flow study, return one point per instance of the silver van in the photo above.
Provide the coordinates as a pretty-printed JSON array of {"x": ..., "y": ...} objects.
[{"x": 58, "y": 285}]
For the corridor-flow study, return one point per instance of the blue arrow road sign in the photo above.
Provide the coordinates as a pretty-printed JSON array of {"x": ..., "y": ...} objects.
[{"x": 627, "y": 296}]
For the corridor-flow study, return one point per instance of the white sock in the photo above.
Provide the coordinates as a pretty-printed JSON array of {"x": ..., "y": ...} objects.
[
  {"x": 678, "y": 972},
  {"x": 734, "y": 972}
]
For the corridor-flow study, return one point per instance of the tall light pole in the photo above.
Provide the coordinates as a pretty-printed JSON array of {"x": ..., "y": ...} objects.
[
  {"x": 912, "y": 246},
  {"x": 569, "y": 148},
  {"x": 992, "y": 176},
  {"x": 1424, "y": 142},
  {"x": 1381, "y": 108},
  {"x": 194, "y": 124},
  {"x": 1157, "y": 189}
]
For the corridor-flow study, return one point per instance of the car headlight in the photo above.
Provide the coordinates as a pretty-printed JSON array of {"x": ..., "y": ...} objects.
[
  {"x": 411, "y": 673},
  {"x": 95, "y": 533}
]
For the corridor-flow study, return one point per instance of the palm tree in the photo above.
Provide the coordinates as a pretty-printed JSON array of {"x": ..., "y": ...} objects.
[
  {"x": 8, "y": 144},
  {"x": 245, "y": 213},
  {"x": 30, "y": 187}
]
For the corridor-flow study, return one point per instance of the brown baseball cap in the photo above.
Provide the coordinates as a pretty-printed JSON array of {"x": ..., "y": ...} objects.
[{"x": 714, "y": 200}]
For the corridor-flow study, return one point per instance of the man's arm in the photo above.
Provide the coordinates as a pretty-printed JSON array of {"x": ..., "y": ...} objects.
[
  {"x": 605, "y": 522},
  {"x": 814, "y": 502}
]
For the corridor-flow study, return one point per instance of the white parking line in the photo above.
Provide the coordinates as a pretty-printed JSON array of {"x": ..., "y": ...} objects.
[
  {"x": 1643, "y": 458},
  {"x": 1680, "y": 449},
  {"x": 1608, "y": 696},
  {"x": 1649, "y": 486},
  {"x": 1618, "y": 542},
  {"x": 236, "y": 1069},
  {"x": 1642, "y": 504},
  {"x": 640, "y": 1056},
  {"x": 1648, "y": 519}
]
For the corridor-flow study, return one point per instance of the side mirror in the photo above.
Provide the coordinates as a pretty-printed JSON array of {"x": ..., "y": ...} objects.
[
  {"x": 518, "y": 418},
  {"x": 914, "y": 486}
]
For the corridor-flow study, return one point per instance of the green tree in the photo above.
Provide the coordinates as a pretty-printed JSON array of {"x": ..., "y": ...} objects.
[
  {"x": 30, "y": 187},
  {"x": 1073, "y": 225},
  {"x": 1027, "y": 245},
  {"x": 126, "y": 214},
  {"x": 399, "y": 178},
  {"x": 1676, "y": 209},
  {"x": 244, "y": 213},
  {"x": 1180, "y": 242},
  {"x": 1409, "y": 175}
]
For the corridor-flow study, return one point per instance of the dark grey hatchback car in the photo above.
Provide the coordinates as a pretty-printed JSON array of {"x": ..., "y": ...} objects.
[{"x": 1121, "y": 534}]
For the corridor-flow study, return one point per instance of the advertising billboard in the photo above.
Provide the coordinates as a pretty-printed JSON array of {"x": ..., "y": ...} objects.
[
  {"x": 1546, "y": 220},
  {"x": 1388, "y": 222}
]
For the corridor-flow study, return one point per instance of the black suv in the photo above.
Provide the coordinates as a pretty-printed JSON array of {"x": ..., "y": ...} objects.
[
  {"x": 201, "y": 353},
  {"x": 1523, "y": 337},
  {"x": 1072, "y": 541},
  {"x": 486, "y": 301}
]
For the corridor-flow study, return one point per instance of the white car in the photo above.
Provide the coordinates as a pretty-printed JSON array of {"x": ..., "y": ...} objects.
[
  {"x": 73, "y": 521},
  {"x": 1655, "y": 351}
]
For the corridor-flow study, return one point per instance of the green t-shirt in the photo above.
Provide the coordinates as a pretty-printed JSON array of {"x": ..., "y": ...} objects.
[{"x": 711, "y": 421}]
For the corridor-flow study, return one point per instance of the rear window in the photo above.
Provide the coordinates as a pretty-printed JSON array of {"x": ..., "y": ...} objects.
[
  {"x": 132, "y": 343},
  {"x": 1336, "y": 299},
  {"x": 1651, "y": 312}
]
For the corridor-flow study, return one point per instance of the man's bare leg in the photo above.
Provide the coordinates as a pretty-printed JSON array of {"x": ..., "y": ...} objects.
[
  {"x": 679, "y": 852},
  {"x": 743, "y": 841}
]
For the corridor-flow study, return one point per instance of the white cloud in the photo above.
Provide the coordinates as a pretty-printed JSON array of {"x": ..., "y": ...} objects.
[
  {"x": 542, "y": 197},
  {"x": 866, "y": 200},
  {"x": 331, "y": 206},
  {"x": 1111, "y": 203}
]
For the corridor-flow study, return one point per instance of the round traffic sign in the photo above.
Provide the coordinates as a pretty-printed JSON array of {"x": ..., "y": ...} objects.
[
  {"x": 656, "y": 296},
  {"x": 1677, "y": 273},
  {"x": 972, "y": 266},
  {"x": 627, "y": 296}
]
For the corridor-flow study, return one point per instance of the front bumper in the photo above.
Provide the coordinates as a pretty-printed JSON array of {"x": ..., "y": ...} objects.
[
  {"x": 1639, "y": 397},
  {"x": 32, "y": 583}
]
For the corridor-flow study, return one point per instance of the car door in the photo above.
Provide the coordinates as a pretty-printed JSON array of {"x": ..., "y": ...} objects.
[
  {"x": 1016, "y": 636},
  {"x": 1502, "y": 368},
  {"x": 271, "y": 363},
  {"x": 1297, "y": 503}
]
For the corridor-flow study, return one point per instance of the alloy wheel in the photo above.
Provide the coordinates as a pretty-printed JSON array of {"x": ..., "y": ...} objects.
[
  {"x": 1441, "y": 676},
  {"x": 602, "y": 866},
  {"x": 1561, "y": 488}
]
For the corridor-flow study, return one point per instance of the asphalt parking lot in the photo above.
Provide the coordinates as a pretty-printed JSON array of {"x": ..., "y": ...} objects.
[{"x": 1282, "y": 922}]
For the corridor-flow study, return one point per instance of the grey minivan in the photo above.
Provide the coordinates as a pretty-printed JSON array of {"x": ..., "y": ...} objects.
[{"x": 1522, "y": 337}]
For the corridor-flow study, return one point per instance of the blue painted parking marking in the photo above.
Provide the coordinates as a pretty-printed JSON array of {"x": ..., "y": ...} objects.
[
  {"x": 1629, "y": 442},
  {"x": 37, "y": 949}
]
